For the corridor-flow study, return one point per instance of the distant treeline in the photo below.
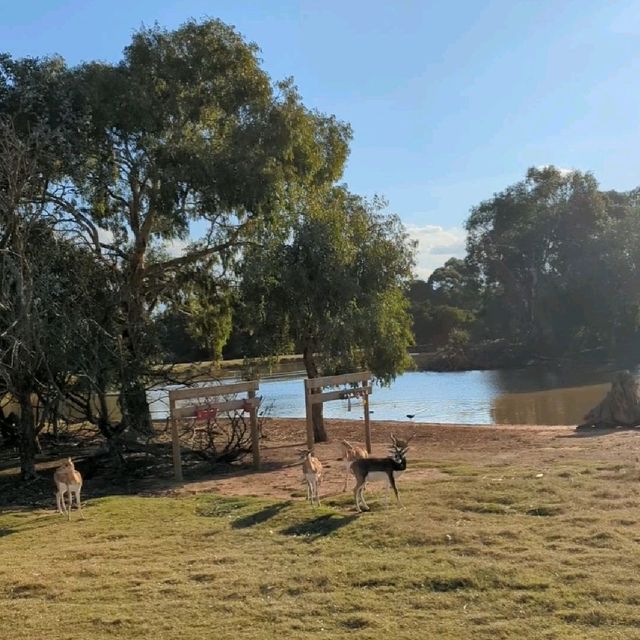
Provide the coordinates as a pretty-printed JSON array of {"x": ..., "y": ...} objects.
[{"x": 552, "y": 271}]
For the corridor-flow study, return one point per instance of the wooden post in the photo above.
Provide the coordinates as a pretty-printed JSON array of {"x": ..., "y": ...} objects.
[
  {"x": 255, "y": 435},
  {"x": 367, "y": 425},
  {"x": 175, "y": 437},
  {"x": 307, "y": 405}
]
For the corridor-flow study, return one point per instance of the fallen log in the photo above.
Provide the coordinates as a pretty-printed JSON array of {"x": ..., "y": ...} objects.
[{"x": 620, "y": 407}]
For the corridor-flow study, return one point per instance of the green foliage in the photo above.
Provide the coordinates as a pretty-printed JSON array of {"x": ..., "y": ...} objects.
[
  {"x": 332, "y": 286},
  {"x": 448, "y": 301},
  {"x": 124, "y": 158},
  {"x": 552, "y": 266}
]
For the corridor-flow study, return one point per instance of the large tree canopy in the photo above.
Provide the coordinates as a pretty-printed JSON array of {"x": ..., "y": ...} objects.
[
  {"x": 333, "y": 288},
  {"x": 188, "y": 128},
  {"x": 545, "y": 252},
  {"x": 163, "y": 165}
]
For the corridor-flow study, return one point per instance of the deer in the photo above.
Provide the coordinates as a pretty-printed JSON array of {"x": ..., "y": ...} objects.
[
  {"x": 312, "y": 471},
  {"x": 349, "y": 454},
  {"x": 68, "y": 480},
  {"x": 388, "y": 469}
]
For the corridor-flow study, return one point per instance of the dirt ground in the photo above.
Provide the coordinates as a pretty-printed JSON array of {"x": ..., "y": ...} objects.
[{"x": 536, "y": 447}]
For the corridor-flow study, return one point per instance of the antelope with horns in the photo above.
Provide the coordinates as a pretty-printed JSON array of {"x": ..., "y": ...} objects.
[
  {"x": 68, "y": 480},
  {"x": 312, "y": 471},
  {"x": 387, "y": 469},
  {"x": 349, "y": 454}
]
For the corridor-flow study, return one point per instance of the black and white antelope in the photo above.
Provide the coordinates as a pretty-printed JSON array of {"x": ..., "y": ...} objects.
[{"x": 386, "y": 469}]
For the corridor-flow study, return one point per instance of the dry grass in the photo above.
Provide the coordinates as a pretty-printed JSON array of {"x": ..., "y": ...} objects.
[{"x": 485, "y": 552}]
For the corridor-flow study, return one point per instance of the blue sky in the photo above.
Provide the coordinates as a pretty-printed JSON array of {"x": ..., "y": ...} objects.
[{"x": 449, "y": 101}]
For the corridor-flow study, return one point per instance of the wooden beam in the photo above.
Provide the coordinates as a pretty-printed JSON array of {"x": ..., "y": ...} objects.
[
  {"x": 255, "y": 434},
  {"x": 214, "y": 390},
  {"x": 334, "y": 381},
  {"x": 175, "y": 442},
  {"x": 229, "y": 405},
  {"x": 367, "y": 425},
  {"x": 352, "y": 392}
]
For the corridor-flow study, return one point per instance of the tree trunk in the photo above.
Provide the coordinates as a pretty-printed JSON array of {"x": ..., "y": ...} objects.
[
  {"x": 620, "y": 407},
  {"x": 319, "y": 432},
  {"x": 134, "y": 406},
  {"x": 133, "y": 397},
  {"x": 27, "y": 437}
]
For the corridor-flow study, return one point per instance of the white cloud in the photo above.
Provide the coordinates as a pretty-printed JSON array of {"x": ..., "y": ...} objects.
[
  {"x": 563, "y": 171},
  {"x": 435, "y": 246}
]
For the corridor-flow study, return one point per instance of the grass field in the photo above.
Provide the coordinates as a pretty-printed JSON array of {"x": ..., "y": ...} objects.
[{"x": 491, "y": 552}]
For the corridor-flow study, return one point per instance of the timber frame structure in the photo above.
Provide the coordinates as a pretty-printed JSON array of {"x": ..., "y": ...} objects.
[
  {"x": 208, "y": 399},
  {"x": 314, "y": 393}
]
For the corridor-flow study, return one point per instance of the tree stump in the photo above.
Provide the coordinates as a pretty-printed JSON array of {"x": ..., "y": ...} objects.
[{"x": 620, "y": 407}]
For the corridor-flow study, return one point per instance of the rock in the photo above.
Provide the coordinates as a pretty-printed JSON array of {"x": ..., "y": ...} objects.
[{"x": 620, "y": 407}]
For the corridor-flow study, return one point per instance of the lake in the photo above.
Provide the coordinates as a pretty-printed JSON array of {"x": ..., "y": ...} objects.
[{"x": 533, "y": 395}]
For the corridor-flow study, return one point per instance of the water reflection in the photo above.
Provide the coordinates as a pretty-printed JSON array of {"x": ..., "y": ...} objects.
[
  {"x": 553, "y": 406},
  {"x": 535, "y": 395}
]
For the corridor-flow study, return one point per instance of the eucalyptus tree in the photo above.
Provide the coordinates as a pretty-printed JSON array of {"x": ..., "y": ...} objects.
[
  {"x": 332, "y": 287},
  {"x": 172, "y": 157},
  {"x": 525, "y": 242},
  {"x": 43, "y": 297},
  {"x": 188, "y": 130},
  {"x": 20, "y": 356}
]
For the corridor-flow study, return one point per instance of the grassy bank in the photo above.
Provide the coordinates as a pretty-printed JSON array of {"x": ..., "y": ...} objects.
[{"x": 481, "y": 552}]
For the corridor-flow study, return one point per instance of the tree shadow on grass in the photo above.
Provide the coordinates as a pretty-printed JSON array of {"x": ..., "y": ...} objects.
[
  {"x": 259, "y": 516},
  {"x": 319, "y": 527}
]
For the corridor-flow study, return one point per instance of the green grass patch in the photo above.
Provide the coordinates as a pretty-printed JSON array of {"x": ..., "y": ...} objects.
[{"x": 469, "y": 558}]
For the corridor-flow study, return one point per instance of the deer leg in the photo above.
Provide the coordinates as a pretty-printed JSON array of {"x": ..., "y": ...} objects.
[
  {"x": 364, "y": 486},
  {"x": 79, "y": 503},
  {"x": 62, "y": 507},
  {"x": 359, "y": 495},
  {"x": 392, "y": 482},
  {"x": 348, "y": 473},
  {"x": 356, "y": 495},
  {"x": 70, "y": 503}
]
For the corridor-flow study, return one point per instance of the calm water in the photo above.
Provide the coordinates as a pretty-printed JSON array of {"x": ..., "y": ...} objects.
[{"x": 535, "y": 395}]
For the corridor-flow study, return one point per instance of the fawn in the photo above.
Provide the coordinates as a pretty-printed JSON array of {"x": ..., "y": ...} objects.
[
  {"x": 349, "y": 454},
  {"x": 312, "y": 471},
  {"x": 68, "y": 480}
]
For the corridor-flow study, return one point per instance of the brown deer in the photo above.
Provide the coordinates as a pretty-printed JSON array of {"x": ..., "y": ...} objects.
[
  {"x": 349, "y": 454},
  {"x": 312, "y": 472},
  {"x": 387, "y": 469},
  {"x": 68, "y": 480}
]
